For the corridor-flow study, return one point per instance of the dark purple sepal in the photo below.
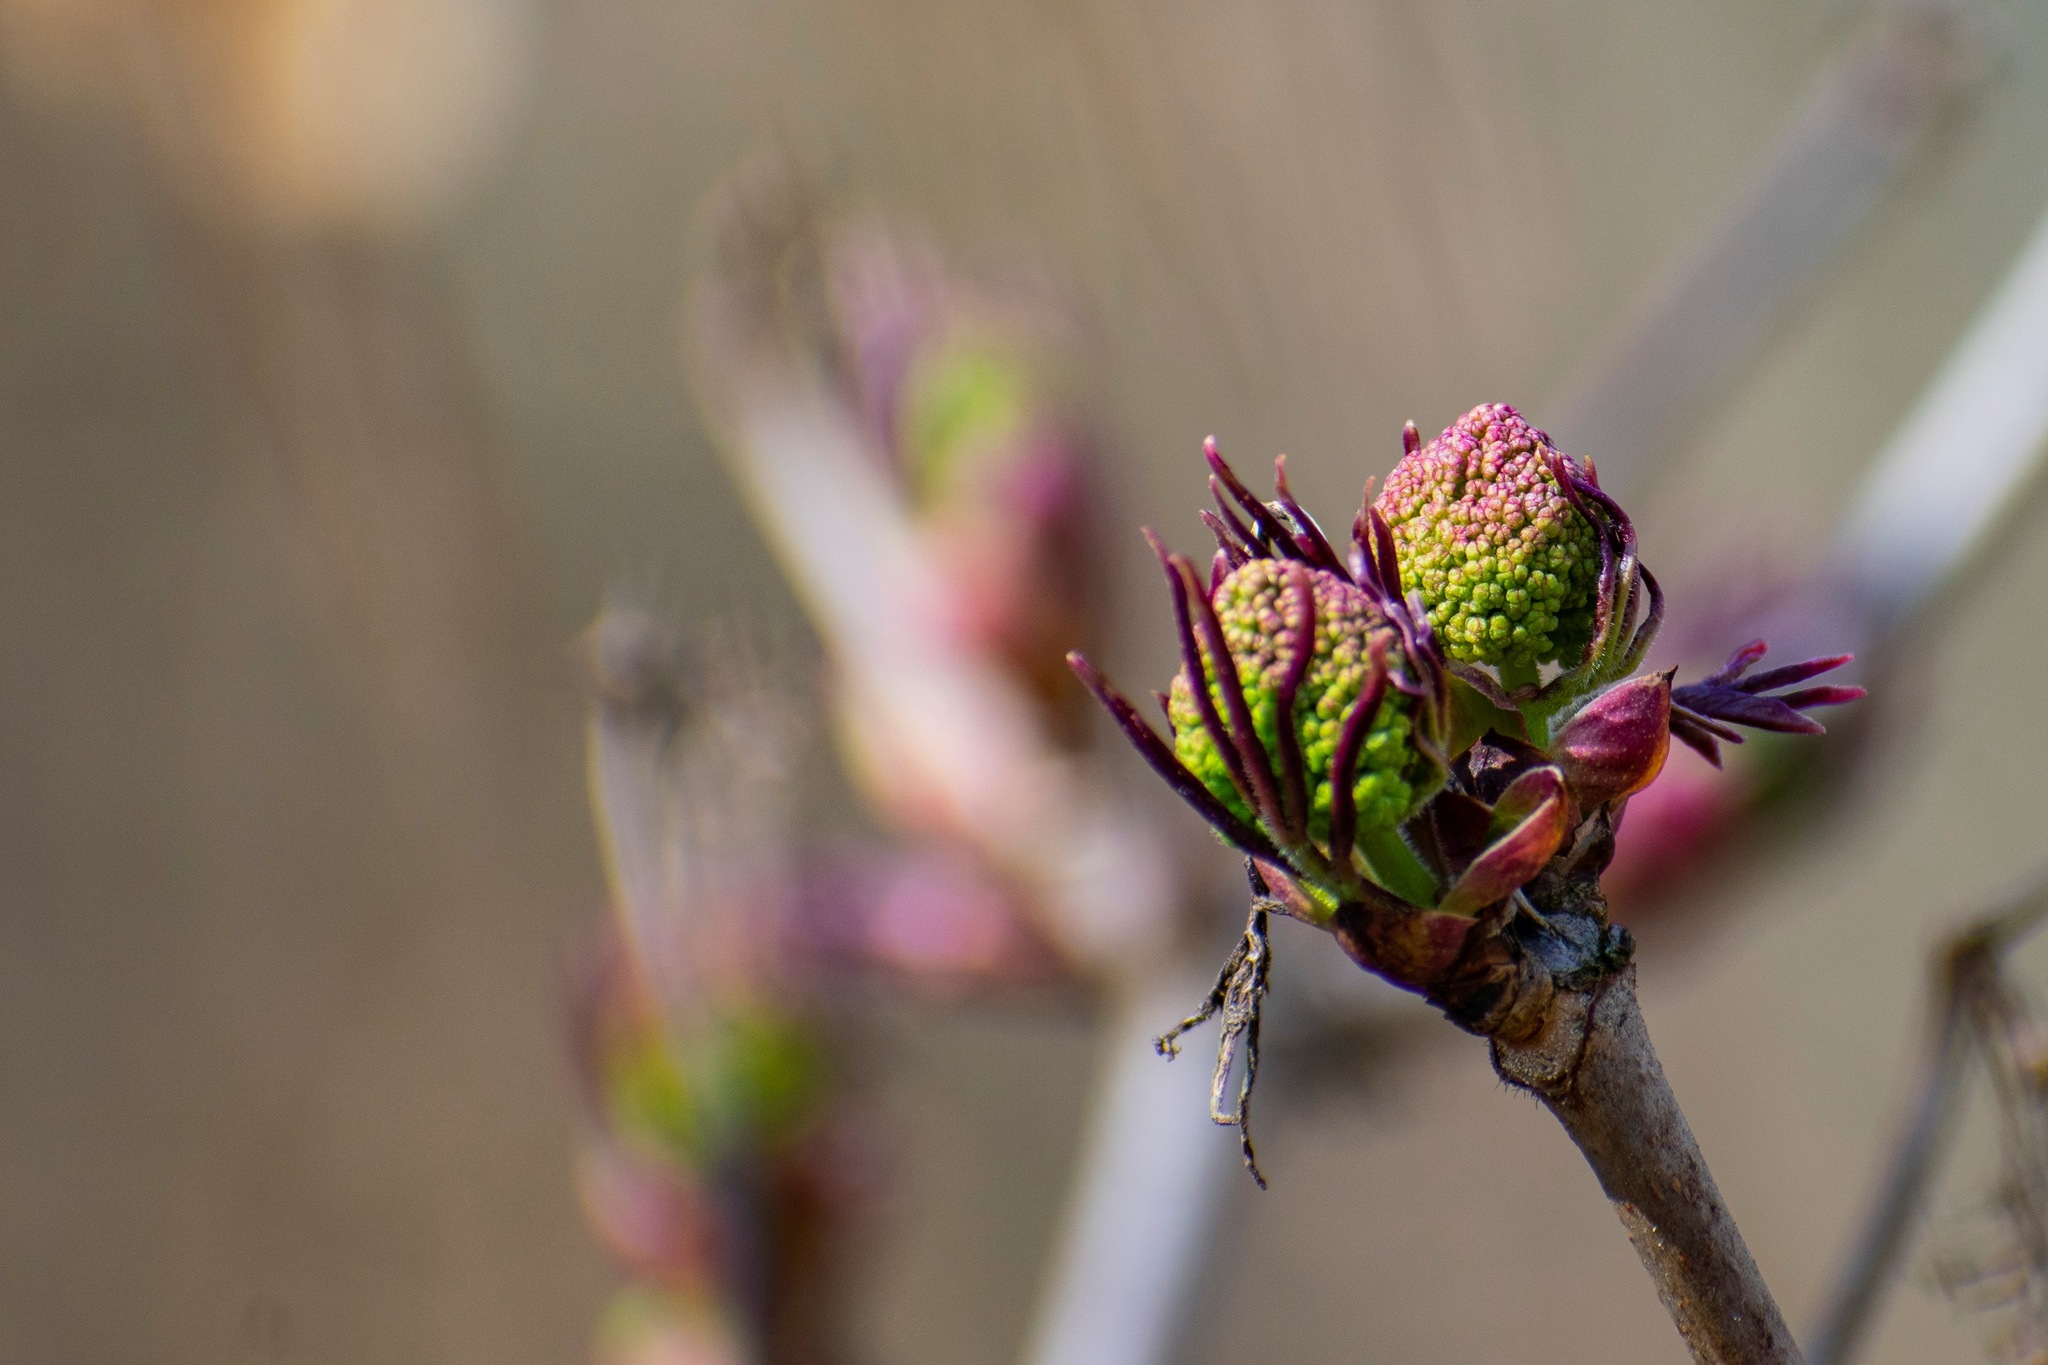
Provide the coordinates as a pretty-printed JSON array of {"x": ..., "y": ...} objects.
[
  {"x": 1697, "y": 738},
  {"x": 1703, "y": 713},
  {"x": 1269, "y": 536},
  {"x": 1315, "y": 546},
  {"x": 1162, "y": 759},
  {"x": 1745, "y": 709},
  {"x": 1375, "y": 563},
  {"x": 1451, "y": 830},
  {"x": 1653, "y": 621},
  {"x": 1344, "y": 761},
  {"x": 1291, "y": 898},
  {"x": 1626, "y": 589},
  {"x": 1773, "y": 678},
  {"x": 1230, "y": 551},
  {"x": 1407, "y": 945},
  {"x": 1704, "y": 737},
  {"x": 1299, "y": 602},
  {"x": 1529, "y": 822},
  {"x": 1739, "y": 663},
  {"x": 1191, "y": 667},
  {"x": 1257, "y": 764},
  {"x": 1825, "y": 695},
  {"x": 1617, "y": 745}
]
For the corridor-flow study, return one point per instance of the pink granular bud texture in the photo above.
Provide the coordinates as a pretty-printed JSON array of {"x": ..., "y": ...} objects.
[{"x": 1507, "y": 569}]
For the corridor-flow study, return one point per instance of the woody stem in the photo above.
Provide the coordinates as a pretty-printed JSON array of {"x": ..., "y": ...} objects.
[{"x": 1592, "y": 1065}]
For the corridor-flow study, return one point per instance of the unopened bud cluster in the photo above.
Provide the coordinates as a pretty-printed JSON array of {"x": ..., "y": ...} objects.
[
  {"x": 1263, "y": 642},
  {"x": 1508, "y": 568},
  {"x": 1371, "y": 728}
]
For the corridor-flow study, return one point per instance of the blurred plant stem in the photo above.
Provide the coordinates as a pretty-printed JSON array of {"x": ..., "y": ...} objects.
[
  {"x": 711, "y": 1159},
  {"x": 1975, "y": 1015},
  {"x": 816, "y": 349},
  {"x": 1144, "y": 1201},
  {"x": 1865, "y": 119}
]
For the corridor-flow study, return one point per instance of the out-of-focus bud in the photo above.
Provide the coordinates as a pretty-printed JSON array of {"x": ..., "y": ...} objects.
[
  {"x": 962, "y": 385},
  {"x": 1616, "y": 746},
  {"x": 654, "y": 1327},
  {"x": 709, "y": 1160},
  {"x": 905, "y": 443},
  {"x": 671, "y": 1112}
]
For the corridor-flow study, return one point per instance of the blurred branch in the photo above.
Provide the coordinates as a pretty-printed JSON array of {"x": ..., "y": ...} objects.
[
  {"x": 1970, "y": 1011},
  {"x": 1147, "y": 1192},
  {"x": 1970, "y": 443},
  {"x": 1923, "y": 515},
  {"x": 1866, "y": 119}
]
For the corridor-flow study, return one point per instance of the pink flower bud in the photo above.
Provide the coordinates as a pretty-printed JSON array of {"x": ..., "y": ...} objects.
[{"x": 1616, "y": 746}]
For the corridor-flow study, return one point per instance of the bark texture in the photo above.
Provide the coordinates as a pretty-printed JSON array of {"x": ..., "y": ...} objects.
[{"x": 1592, "y": 1064}]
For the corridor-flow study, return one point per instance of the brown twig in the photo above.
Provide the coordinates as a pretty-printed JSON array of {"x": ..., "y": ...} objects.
[{"x": 1592, "y": 1065}]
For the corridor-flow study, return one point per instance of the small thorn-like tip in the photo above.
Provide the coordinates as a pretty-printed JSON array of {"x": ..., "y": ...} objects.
[{"x": 1411, "y": 439}]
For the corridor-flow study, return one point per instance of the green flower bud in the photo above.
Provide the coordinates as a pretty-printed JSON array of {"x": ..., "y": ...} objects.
[
  {"x": 1508, "y": 569},
  {"x": 957, "y": 404},
  {"x": 751, "y": 1078},
  {"x": 1251, "y": 605}
]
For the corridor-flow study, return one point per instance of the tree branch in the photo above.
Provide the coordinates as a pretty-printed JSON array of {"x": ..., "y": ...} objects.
[{"x": 1592, "y": 1065}]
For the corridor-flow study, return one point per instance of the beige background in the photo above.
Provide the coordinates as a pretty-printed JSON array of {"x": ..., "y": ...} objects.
[{"x": 291, "y": 825}]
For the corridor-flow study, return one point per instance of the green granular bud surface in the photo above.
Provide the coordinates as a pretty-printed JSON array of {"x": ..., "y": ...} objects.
[
  {"x": 1508, "y": 570},
  {"x": 1251, "y": 607}
]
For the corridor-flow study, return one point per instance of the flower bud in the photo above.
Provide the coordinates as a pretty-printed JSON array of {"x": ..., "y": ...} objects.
[
  {"x": 1265, "y": 634},
  {"x": 1323, "y": 704},
  {"x": 1617, "y": 744},
  {"x": 1507, "y": 566}
]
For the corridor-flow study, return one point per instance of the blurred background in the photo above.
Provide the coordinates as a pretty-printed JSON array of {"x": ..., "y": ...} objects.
[{"x": 341, "y": 379}]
